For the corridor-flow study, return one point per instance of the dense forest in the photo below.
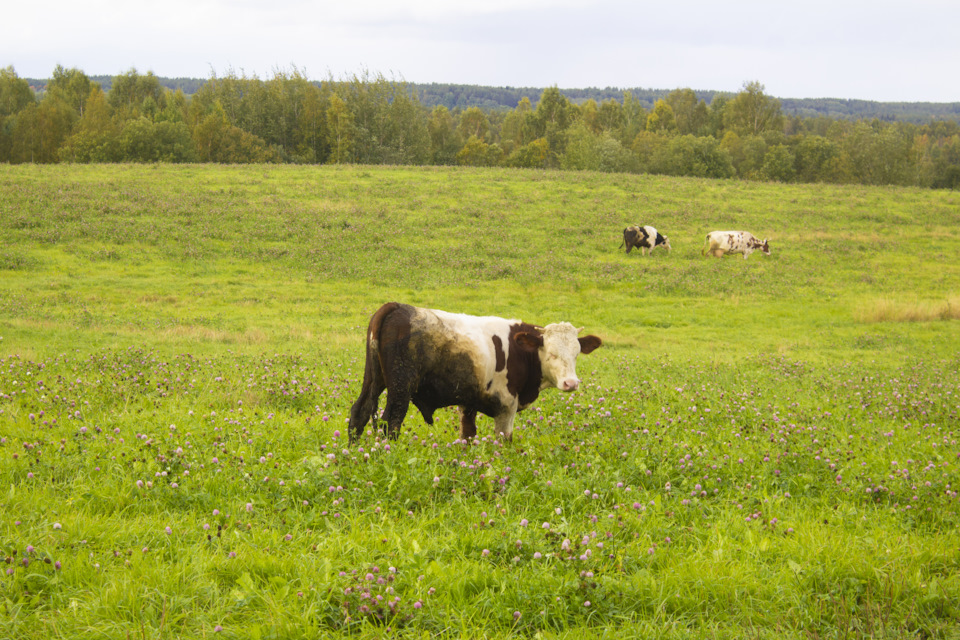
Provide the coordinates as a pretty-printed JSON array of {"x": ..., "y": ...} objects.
[{"x": 370, "y": 119}]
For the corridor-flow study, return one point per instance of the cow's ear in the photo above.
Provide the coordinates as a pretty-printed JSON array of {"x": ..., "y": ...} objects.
[
  {"x": 528, "y": 341},
  {"x": 589, "y": 343}
]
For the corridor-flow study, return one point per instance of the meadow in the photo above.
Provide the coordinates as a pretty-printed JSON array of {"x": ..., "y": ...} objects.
[{"x": 761, "y": 448}]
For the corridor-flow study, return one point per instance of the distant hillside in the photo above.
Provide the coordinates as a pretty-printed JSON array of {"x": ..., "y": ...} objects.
[
  {"x": 463, "y": 96},
  {"x": 491, "y": 98}
]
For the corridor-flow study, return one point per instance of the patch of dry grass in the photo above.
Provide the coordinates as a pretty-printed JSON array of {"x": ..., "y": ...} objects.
[{"x": 887, "y": 310}]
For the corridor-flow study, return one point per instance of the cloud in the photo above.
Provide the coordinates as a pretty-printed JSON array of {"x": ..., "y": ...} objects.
[{"x": 845, "y": 48}]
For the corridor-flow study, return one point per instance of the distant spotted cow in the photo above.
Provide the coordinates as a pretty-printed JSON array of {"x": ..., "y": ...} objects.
[
  {"x": 721, "y": 242},
  {"x": 481, "y": 364},
  {"x": 644, "y": 238}
]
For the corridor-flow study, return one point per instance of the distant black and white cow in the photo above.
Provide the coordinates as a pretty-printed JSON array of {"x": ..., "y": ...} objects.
[
  {"x": 481, "y": 364},
  {"x": 644, "y": 238},
  {"x": 721, "y": 242}
]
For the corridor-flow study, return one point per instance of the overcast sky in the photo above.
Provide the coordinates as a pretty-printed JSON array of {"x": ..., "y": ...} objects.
[{"x": 870, "y": 49}]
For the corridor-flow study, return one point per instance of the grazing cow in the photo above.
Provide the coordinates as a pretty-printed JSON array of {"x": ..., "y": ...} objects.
[
  {"x": 644, "y": 238},
  {"x": 482, "y": 364},
  {"x": 721, "y": 242}
]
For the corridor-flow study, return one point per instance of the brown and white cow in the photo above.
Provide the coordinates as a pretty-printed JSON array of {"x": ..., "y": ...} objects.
[
  {"x": 481, "y": 364},
  {"x": 644, "y": 238},
  {"x": 721, "y": 242}
]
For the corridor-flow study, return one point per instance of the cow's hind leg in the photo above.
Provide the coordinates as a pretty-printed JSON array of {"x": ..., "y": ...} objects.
[
  {"x": 364, "y": 410},
  {"x": 398, "y": 401}
]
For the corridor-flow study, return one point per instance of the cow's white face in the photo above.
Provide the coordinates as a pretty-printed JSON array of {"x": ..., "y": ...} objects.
[{"x": 558, "y": 356}]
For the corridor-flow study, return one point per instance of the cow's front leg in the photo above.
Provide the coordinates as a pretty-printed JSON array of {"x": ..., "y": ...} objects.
[
  {"x": 503, "y": 424},
  {"x": 468, "y": 423}
]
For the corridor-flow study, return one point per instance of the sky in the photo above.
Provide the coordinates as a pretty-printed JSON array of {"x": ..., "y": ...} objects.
[{"x": 903, "y": 51}]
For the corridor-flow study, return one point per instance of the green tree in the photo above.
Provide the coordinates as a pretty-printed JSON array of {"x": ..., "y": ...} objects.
[
  {"x": 875, "y": 153},
  {"x": 662, "y": 119},
  {"x": 143, "y": 140},
  {"x": 582, "y": 149},
  {"x": 647, "y": 147},
  {"x": 474, "y": 123},
  {"x": 15, "y": 93},
  {"x": 691, "y": 114},
  {"x": 590, "y": 116},
  {"x": 130, "y": 90},
  {"x": 550, "y": 120},
  {"x": 692, "y": 156},
  {"x": 817, "y": 159},
  {"x": 610, "y": 117},
  {"x": 72, "y": 86},
  {"x": 477, "y": 153},
  {"x": 216, "y": 140},
  {"x": 340, "y": 131},
  {"x": 533, "y": 155},
  {"x": 445, "y": 140},
  {"x": 945, "y": 161},
  {"x": 752, "y": 112},
  {"x": 311, "y": 128},
  {"x": 746, "y": 154},
  {"x": 389, "y": 124},
  {"x": 95, "y": 137},
  {"x": 778, "y": 164},
  {"x": 517, "y": 126},
  {"x": 715, "y": 116},
  {"x": 39, "y": 130},
  {"x": 634, "y": 119},
  {"x": 15, "y": 96},
  {"x": 177, "y": 109}
]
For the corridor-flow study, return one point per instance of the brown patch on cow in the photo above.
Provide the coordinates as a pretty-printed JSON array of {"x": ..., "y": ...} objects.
[
  {"x": 589, "y": 344},
  {"x": 524, "y": 373},
  {"x": 498, "y": 351}
]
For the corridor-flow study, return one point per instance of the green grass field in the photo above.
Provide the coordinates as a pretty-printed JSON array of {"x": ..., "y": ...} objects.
[{"x": 762, "y": 448}]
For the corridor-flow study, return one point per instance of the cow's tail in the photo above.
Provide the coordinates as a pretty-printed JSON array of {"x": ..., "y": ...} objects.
[
  {"x": 364, "y": 408},
  {"x": 372, "y": 367},
  {"x": 703, "y": 251}
]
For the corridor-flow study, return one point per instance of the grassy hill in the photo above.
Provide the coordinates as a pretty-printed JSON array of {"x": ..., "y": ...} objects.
[{"x": 763, "y": 447}]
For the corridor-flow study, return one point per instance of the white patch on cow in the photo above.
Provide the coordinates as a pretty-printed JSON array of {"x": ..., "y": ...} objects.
[
  {"x": 743, "y": 242},
  {"x": 474, "y": 334}
]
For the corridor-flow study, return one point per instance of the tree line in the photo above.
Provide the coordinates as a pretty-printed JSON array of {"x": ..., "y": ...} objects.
[{"x": 369, "y": 119}]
